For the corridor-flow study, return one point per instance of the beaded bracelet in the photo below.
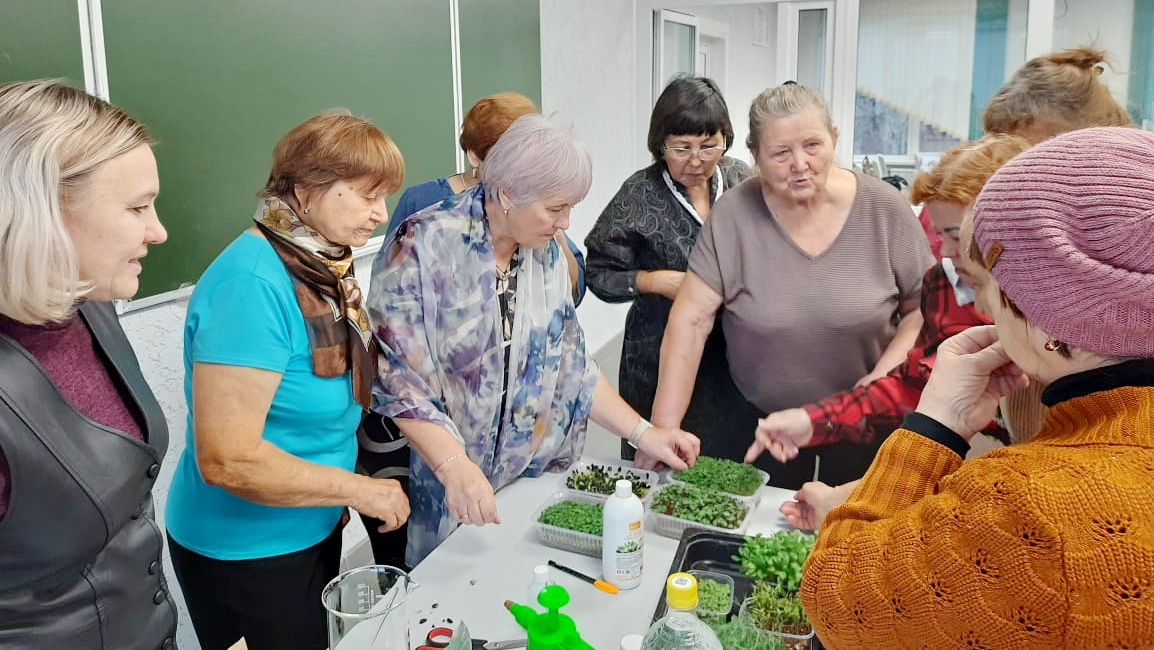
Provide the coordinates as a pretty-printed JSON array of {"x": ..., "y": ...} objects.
[{"x": 447, "y": 461}]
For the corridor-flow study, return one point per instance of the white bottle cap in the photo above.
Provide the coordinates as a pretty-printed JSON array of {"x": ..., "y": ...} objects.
[
  {"x": 631, "y": 642},
  {"x": 624, "y": 488},
  {"x": 541, "y": 573}
]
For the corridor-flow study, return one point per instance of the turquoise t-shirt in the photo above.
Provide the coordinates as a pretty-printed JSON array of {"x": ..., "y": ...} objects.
[{"x": 244, "y": 312}]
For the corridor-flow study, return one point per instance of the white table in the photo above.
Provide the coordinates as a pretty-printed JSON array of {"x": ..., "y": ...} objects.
[{"x": 471, "y": 574}]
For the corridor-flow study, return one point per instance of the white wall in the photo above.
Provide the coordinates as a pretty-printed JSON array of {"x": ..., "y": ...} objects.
[
  {"x": 1103, "y": 23},
  {"x": 587, "y": 82},
  {"x": 155, "y": 334},
  {"x": 750, "y": 68}
]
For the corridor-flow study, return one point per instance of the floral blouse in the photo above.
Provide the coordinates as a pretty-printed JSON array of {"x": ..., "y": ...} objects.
[{"x": 434, "y": 305}]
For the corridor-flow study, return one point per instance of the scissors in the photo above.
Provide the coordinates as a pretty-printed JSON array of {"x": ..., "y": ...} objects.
[{"x": 441, "y": 637}]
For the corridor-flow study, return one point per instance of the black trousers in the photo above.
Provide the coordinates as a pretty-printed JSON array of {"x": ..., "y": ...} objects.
[
  {"x": 382, "y": 432},
  {"x": 388, "y": 548},
  {"x": 274, "y": 602}
]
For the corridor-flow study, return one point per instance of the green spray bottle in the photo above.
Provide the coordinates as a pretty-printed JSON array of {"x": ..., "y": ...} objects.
[{"x": 551, "y": 630}]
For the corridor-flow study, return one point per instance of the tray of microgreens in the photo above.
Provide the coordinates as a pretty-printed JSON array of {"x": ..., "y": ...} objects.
[
  {"x": 723, "y": 474},
  {"x": 765, "y": 607},
  {"x": 571, "y": 521},
  {"x": 601, "y": 479},
  {"x": 675, "y": 507}
]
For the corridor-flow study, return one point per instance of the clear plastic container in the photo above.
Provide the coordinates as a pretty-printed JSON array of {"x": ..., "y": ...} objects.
[
  {"x": 670, "y": 526},
  {"x": 680, "y": 629},
  {"x": 746, "y": 618},
  {"x": 718, "y": 614},
  {"x": 630, "y": 473},
  {"x": 764, "y": 480},
  {"x": 563, "y": 538}
]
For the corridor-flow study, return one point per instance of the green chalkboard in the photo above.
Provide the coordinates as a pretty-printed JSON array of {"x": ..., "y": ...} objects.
[
  {"x": 220, "y": 81},
  {"x": 40, "y": 39},
  {"x": 500, "y": 48}
]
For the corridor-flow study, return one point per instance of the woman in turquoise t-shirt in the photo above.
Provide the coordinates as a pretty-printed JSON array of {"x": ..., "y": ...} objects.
[{"x": 279, "y": 360}]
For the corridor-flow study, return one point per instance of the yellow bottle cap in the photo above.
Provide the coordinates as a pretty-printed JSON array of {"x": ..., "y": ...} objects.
[{"x": 681, "y": 591}]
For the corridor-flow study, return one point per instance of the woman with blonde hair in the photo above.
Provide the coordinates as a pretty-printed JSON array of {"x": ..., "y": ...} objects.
[
  {"x": 81, "y": 435},
  {"x": 279, "y": 363}
]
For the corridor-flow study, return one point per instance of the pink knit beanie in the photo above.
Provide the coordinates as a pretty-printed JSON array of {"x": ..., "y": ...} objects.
[{"x": 1067, "y": 230}]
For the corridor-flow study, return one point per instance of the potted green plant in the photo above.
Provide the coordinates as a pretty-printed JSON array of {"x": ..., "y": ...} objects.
[
  {"x": 778, "y": 611},
  {"x": 778, "y": 558},
  {"x": 714, "y": 595},
  {"x": 736, "y": 634},
  {"x": 775, "y": 563}
]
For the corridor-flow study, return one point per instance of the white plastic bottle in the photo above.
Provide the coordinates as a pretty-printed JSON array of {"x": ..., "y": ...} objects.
[
  {"x": 540, "y": 581},
  {"x": 680, "y": 629},
  {"x": 623, "y": 537}
]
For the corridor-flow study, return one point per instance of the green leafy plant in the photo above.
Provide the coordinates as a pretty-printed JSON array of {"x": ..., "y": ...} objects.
[
  {"x": 703, "y": 505},
  {"x": 723, "y": 474},
  {"x": 602, "y": 479},
  {"x": 778, "y": 558},
  {"x": 737, "y": 635},
  {"x": 777, "y": 609},
  {"x": 572, "y": 515},
  {"x": 713, "y": 596}
]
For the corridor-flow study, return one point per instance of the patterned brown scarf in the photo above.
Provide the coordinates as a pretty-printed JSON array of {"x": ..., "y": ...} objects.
[{"x": 328, "y": 294}]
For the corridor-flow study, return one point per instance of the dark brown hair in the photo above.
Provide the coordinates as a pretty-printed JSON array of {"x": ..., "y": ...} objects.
[{"x": 688, "y": 106}]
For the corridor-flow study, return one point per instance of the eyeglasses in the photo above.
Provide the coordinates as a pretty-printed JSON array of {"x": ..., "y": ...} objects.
[{"x": 682, "y": 154}]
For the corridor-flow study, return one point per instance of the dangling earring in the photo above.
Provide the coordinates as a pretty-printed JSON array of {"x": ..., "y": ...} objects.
[
  {"x": 506, "y": 212},
  {"x": 476, "y": 172}
]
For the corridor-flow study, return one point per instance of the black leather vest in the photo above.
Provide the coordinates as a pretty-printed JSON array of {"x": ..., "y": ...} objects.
[{"x": 80, "y": 564}]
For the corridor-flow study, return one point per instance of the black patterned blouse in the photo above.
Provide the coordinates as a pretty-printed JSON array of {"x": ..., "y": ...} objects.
[{"x": 646, "y": 227}]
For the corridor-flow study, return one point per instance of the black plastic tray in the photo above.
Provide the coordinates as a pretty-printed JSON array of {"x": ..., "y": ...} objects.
[{"x": 707, "y": 550}]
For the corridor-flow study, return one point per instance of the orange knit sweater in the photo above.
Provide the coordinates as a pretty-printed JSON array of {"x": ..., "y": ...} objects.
[{"x": 1045, "y": 544}]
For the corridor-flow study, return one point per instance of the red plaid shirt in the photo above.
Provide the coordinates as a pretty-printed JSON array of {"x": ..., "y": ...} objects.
[{"x": 865, "y": 413}]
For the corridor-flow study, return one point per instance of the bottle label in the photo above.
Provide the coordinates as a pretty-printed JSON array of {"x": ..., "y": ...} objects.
[{"x": 630, "y": 555}]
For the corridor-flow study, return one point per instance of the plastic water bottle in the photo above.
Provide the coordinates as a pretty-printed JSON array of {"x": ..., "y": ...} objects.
[
  {"x": 680, "y": 629},
  {"x": 623, "y": 537}
]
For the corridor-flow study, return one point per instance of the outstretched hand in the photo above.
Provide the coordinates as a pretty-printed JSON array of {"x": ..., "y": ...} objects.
[
  {"x": 813, "y": 502},
  {"x": 781, "y": 433},
  {"x": 971, "y": 373}
]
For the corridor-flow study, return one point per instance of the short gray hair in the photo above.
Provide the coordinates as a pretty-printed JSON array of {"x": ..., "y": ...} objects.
[
  {"x": 52, "y": 137},
  {"x": 535, "y": 159},
  {"x": 783, "y": 101}
]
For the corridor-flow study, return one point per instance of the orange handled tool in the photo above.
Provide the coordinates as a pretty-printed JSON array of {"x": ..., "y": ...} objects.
[{"x": 600, "y": 584}]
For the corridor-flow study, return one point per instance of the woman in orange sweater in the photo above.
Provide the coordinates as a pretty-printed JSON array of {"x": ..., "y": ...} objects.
[{"x": 1046, "y": 543}]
